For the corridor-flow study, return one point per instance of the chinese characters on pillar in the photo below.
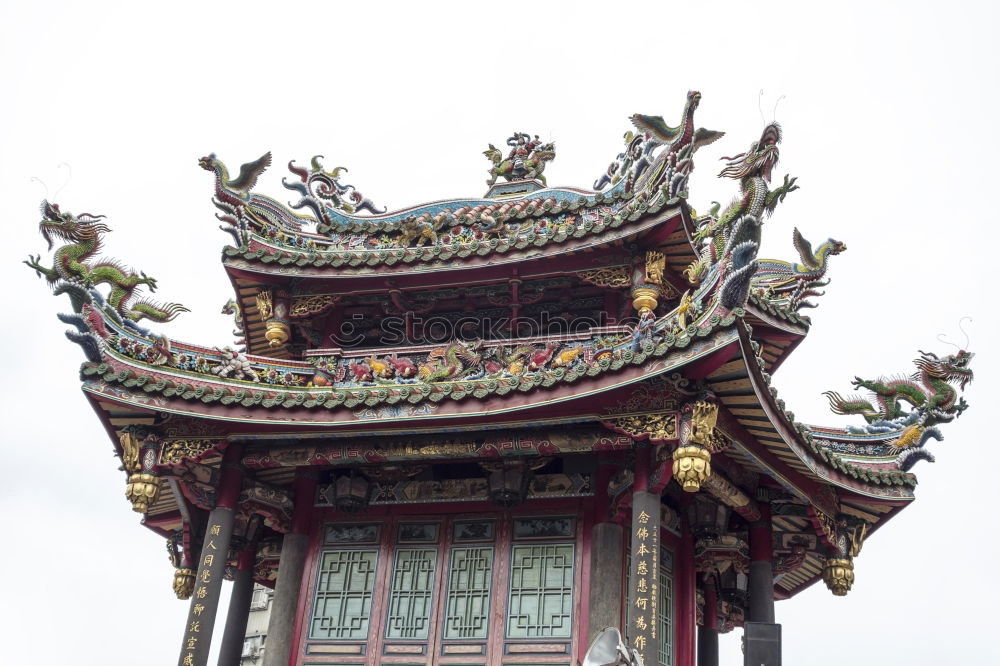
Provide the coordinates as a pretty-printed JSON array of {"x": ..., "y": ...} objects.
[
  {"x": 643, "y": 579},
  {"x": 204, "y": 601}
]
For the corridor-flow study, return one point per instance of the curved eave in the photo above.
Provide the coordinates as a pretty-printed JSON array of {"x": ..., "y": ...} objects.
[
  {"x": 544, "y": 393},
  {"x": 785, "y": 440},
  {"x": 789, "y": 584},
  {"x": 413, "y": 265},
  {"x": 777, "y": 448}
]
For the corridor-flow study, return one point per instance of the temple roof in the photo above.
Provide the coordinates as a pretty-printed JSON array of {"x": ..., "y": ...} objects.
[{"x": 693, "y": 311}]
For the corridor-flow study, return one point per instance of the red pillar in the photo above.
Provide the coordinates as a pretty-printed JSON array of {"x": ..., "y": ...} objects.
[
  {"x": 761, "y": 584},
  {"x": 686, "y": 601}
]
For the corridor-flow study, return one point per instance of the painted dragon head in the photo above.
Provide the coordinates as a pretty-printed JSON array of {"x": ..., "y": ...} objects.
[
  {"x": 952, "y": 368},
  {"x": 209, "y": 162},
  {"x": 545, "y": 152},
  {"x": 693, "y": 99},
  {"x": 759, "y": 160},
  {"x": 69, "y": 227}
]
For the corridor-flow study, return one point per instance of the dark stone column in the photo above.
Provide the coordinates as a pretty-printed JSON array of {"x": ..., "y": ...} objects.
[
  {"x": 212, "y": 563},
  {"x": 606, "y": 560},
  {"x": 239, "y": 609},
  {"x": 708, "y": 632},
  {"x": 761, "y": 584},
  {"x": 294, "y": 547},
  {"x": 644, "y": 537}
]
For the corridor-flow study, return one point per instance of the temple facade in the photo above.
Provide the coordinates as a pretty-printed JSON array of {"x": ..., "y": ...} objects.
[{"x": 480, "y": 431}]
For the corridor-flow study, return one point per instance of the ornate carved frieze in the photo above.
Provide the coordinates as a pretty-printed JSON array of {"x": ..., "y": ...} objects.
[
  {"x": 650, "y": 412},
  {"x": 429, "y": 447},
  {"x": 273, "y": 504},
  {"x": 178, "y": 450},
  {"x": 732, "y": 497},
  {"x": 717, "y": 553},
  {"x": 616, "y": 277},
  {"x": 655, "y": 426},
  {"x": 312, "y": 304},
  {"x": 790, "y": 562},
  {"x": 474, "y": 489}
]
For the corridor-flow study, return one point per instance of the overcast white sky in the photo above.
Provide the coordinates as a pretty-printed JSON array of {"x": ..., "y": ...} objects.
[{"x": 890, "y": 120}]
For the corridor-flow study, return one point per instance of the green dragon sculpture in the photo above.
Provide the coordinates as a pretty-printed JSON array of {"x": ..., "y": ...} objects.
[
  {"x": 84, "y": 236},
  {"x": 735, "y": 234},
  {"x": 929, "y": 391}
]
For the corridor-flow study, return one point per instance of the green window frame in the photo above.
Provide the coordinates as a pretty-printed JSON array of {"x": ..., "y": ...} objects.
[
  {"x": 345, "y": 585},
  {"x": 411, "y": 594},
  {"x": 540, "y": 596},
  {"x": 470, "y": 583}
]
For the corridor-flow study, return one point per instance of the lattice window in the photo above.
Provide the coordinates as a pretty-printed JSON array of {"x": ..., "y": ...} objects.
[
  {"x": 665, "y": 656},
  {"x": 469, "y": 592},
  {"x": 541, "y": 591},
  {"x": 412, "y": 593},
  {"x": 344, "y": 594}
]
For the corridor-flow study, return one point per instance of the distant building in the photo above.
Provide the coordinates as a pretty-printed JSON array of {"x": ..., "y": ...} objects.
[{"x": 256, "y": 634}]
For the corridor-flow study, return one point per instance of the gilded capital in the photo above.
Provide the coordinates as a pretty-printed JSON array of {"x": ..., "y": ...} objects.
[
  {"x": 142, "y": 490},
  {"x": 838, "y": 574},
  {"x": 692, "y": 467},
  {"x": 277, "y": 333},
  {"x": 644, "y": 298},
  {"x": 183, "y": 582}
]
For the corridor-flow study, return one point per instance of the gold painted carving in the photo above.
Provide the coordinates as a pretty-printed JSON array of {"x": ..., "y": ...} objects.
[
  {"x": 141, "y": 491},
  {"x": 277, "y": 333},
  {"x": 725, "y": 491},
  {"x": 838, "y": 574},
  {"x": 856, "y": 537},
  {"x": 303, "y": 306},
  {"x": 177, "y": 450},
  {"x": 657, "y": 425},
  {"x": 130, "y": 450},
  {"x": 692, "y": 467},
  {"x": 655, "y": 263},
  {"x": 704, "y": 416},
  {"x": 264, "y": 305},
  {"x": 644, "y": 298},
  {"x": 607, "y": 277},
  {"x": 183, "y": 582},
  {"x": 683, "y": 309}
]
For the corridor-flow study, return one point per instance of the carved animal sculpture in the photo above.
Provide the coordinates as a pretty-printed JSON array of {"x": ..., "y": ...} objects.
[
  {"x": 84, "y": 234},
  {"x": 234, "y": 364},
  {"x": 452, "y": 361},
  {"x": 238, "y": 204},
  {"x": 736, "y": 233},
  {"x": 683, "y": 140},
  {"x": 405, "y": 368},
  {"x": 793, "y": 282},
  {"x": 929, "y": 391},
  {"x": 534, "y": 164},
  {"x": 930, "y": 388}
]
